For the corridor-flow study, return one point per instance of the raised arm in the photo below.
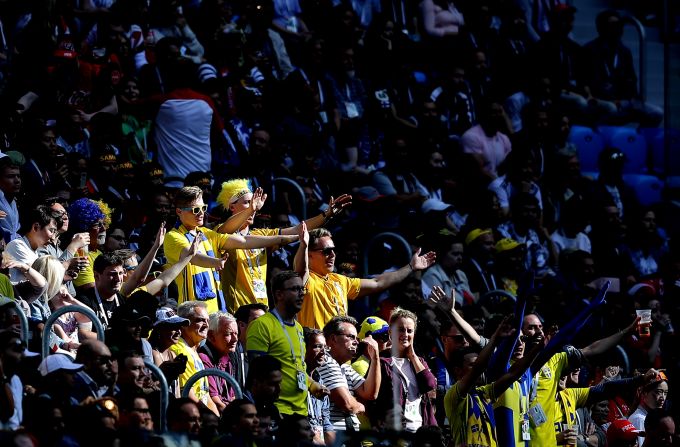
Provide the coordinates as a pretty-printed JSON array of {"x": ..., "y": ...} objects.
[
  {"x": 447, "y": 305},
  {"x": 142, "y": 271},
  {"x": 518, "y": 368},
  {"x": 335, "y": 207},
  {"x": 388, "y": 279},
  {"x": 565, "y": 335},
  {"x": 469, "y": 379},
  {"x": 236, "y": 221},
  {"x": 300, "y": 263},
  {"x": 250, "y": 241},
  {"x": 605, "y": 344},
  {"x": 169, "y": 275},
  {"x": 371, "y": 386}
]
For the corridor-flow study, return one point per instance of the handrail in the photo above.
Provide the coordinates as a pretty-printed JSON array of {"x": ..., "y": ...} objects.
[
  {"x": 303, "y": 202},
  {"x": 96, "y": 324},
  {"x": 642, "y": 38},
  {"x": 385, "y": 235},
  {"x": 624, "y": 358},
  {"x": 164, "y": 393},
  {"x": 212, "y": 372},
  {"x": 23, "y": 320}
]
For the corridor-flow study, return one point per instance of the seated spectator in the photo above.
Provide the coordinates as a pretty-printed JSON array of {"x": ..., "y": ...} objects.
[
  {"x": 240, "y": 423},
  {"x": 263, "y": 384},
  {"x": 659, "y": 429},
  {"x": 487, "y": 142},
  {"x": 447, "y": 273},
  {"x": 9, "y": 189},
  {"x": 652, "y": 397},
  {"x": 184, "y": 422},
  {"x": 99, "y": 374},
  {"x": 215, "y": 353},
  {"x": 12, "y": 353}
]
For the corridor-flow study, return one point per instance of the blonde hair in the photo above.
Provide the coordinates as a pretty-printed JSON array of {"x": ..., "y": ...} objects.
[
  {"x": 399, "y": 312},
  {"x": 232, "y": 191},
  {"x": 53, "y": 271}
]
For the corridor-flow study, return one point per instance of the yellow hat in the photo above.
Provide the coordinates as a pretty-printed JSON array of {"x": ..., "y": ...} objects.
[
  {"x": 474, "y": 234},
  {"x": 232, "y": 191},
  {"x": 506, "y": 244},
  {"x": 373, "y": 326}
]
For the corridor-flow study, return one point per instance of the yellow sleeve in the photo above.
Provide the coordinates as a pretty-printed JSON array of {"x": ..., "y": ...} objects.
[
  {"x": 451, "y": 401},
  {"x": 265, "y": 231},
  {"x": 580, "y": 396},
  {"x": 217, "y": 240},
  {"x": 173, "y": 245},
  {"x": 6, "y": 288},
  {"x": 353, "y": 286}
]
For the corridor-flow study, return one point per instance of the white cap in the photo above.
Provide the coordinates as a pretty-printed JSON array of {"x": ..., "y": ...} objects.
[
  {"x": 55, "y": 362},
  {"x": 165, "y": 315}
]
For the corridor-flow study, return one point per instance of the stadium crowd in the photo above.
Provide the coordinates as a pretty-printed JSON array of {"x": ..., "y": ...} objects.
[{"x": 364, "y": 219}]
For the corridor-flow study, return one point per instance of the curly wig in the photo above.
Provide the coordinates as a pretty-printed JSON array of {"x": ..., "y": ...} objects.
[{"x": 84, "y": 213}]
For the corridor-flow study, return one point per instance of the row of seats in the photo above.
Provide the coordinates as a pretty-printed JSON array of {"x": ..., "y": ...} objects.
[
  {"x": 644, "y": 148},
  {"x": 645, "y": 151}
]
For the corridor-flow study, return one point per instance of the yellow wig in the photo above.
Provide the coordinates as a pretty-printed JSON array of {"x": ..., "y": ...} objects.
[
  {"x": 232, "y": 191},
  {"x": 106, "y": 210}
]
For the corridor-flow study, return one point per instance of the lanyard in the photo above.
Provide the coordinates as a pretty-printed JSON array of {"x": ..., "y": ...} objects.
[
  {"x": 256, "y": 252},
  {"x": 101, "y": 306},
  {"x": 198, "y": 363},
  {"x": 290, "y": 342}
]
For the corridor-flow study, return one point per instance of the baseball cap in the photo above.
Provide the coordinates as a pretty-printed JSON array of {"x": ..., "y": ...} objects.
[
  {"x": 622, "y": 430},
  {"x": 165, "y": 315},
  {"x": 128, "y": 313},
  {"x": 55, "y": 362},
  {"x": 373, "y": 326},
  {"x": 474, "y": 234},
  {"x": 506, "y": 244}
]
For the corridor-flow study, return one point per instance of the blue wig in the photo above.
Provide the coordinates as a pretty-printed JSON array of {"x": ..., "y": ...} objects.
[{"x": 84, "y": 213}]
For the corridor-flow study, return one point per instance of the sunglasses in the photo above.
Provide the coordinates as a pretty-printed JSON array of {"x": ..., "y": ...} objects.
[
  {"x": 326, "y": 251},
  {"x": 298, "y": 289},
  {"x": 196, "y": 209},
  {"x": 130, "y": 268}
]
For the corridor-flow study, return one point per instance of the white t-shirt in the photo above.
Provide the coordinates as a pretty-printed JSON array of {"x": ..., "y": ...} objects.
[
  {"x": 412, "y": 418},
  {"x": 638, "y": 420},
  {"x": 20, "y": 250}
]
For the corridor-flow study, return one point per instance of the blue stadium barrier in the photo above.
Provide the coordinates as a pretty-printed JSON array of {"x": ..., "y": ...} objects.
[
  {"x": 292, "y": 185},
  {"x": 212, "y": 372},
  {"x": 165, "y": 399},
  {"x": 23, "y": 321},
  {"x": 382, "y": 237},
  {"x": 96, "y": 324}
]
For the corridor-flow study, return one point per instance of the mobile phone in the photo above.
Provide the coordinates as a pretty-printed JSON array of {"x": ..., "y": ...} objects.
[{"x": 83, "y": 180}]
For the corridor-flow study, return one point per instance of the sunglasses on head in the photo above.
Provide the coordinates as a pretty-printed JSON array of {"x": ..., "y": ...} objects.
[{"x": 195, "y": 209}]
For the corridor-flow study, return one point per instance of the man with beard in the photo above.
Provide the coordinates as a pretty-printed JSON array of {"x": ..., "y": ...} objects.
[
  {"x": 100, "y": 372},
  {"x": 192, "y": 335},
  {"x": 278, "y": 334},
  {"x": 215, "y": 353}
]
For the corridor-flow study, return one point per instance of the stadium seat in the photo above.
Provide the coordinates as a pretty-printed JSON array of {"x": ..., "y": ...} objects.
[
  {"x": 631, "y": 143},
  {"x": 672, "y": 168},
  {"x": 589, "y": 145},
  {"x": 648, "y": 188}
]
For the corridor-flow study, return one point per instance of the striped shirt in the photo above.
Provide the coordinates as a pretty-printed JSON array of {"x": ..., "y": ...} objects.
[{"x": 336, "y": 376}]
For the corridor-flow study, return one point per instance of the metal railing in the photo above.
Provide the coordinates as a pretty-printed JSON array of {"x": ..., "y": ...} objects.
[
  {"x": 96, "y": 324},
  {"x": 212, "y": 372},
  {"x": 23, "y": 321},
  {"x": 642, "y": 51},
  {"x": 297, "y": 188},
  {"x": 165, "y": 399},
  {"x": 387, "y": 235}
]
